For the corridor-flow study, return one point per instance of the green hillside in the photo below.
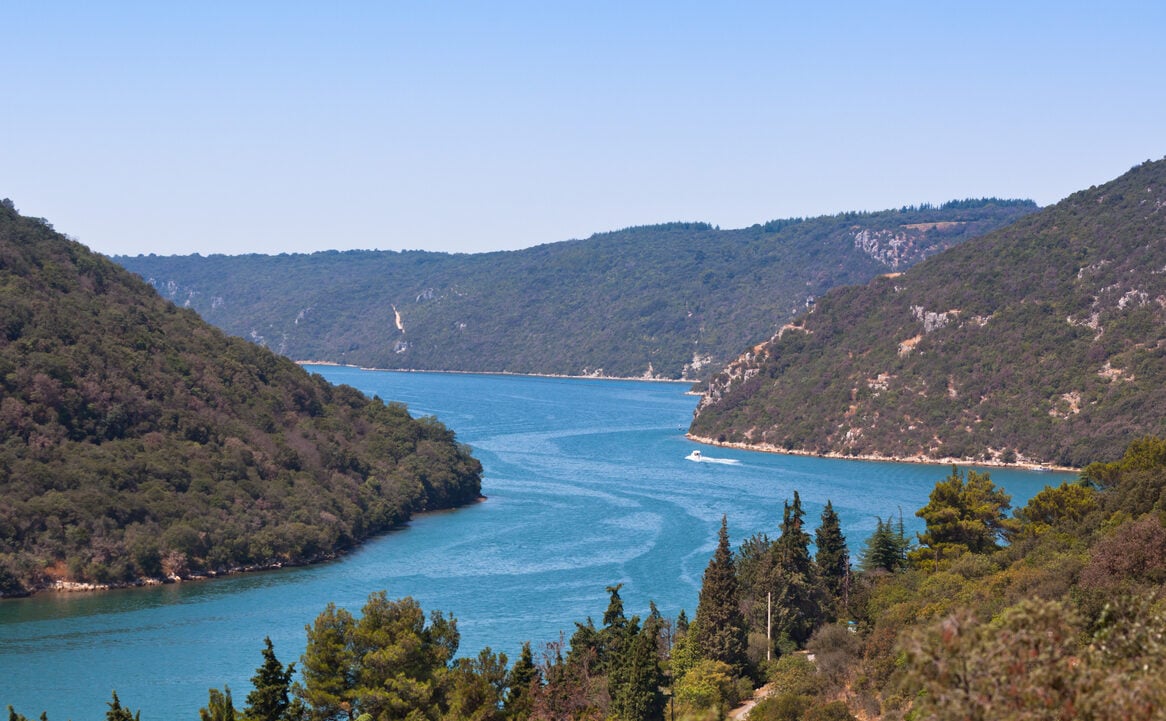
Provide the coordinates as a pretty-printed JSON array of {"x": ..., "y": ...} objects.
[
  {"x": 1044, "y": 341},
  {"x": 139, "y": 442},
  {"x": 670, "y": 301}
]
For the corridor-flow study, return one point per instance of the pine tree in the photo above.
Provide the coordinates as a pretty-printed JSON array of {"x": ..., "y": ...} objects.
[
  {"x": 268, "y": 700},
  {"x": 329, "y": 665},
  {"x": 719, "y": 629},
  {"x": 832, "y": 557},
  {"x": 963, "y": 516},
  {"x": 388, "y": 663}
]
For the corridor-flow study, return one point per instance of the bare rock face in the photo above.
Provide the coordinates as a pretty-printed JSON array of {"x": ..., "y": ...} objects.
[{"x": 1044, "y": 340}]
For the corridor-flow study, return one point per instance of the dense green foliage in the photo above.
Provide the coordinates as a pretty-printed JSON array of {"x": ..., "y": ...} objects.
[
  {"x": 138, "y": 442},
  {"x": 963, "y": 515},
  {"x": 831, "y": 556},
  {"x": 719, "y": 629},
  {"x": 1067, "y": 621},
  {"x": 1044, "y": 342},
  {"x": 675, "y": 300},
  {"x": 886, "y": 548}
]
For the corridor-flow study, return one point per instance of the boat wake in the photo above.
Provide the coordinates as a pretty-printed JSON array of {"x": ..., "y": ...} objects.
[{"x": 696, "y": 456}]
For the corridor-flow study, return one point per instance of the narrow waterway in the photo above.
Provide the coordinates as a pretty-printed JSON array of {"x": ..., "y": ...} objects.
[{"x": 587, "y": 486}]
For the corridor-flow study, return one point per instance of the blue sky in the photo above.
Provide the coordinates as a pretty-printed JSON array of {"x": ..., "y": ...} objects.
[{"x": 228, "y": 127}]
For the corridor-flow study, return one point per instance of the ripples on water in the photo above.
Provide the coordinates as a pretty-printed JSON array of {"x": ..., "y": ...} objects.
[{"x": 587, "y": 484}]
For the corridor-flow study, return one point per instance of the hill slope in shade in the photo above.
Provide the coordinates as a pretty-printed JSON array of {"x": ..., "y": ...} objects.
[
  {"x": 1044, "y": 341},
  {"x": 139, "y": 442},
  {"x": 669, "y": 301}
]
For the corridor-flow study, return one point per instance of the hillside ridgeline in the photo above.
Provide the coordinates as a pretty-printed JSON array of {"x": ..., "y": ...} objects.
[
  {"x": 1044, "y": 341},
  {"x": 138, "y": 442},
  {"x": 667, "y": 301}
]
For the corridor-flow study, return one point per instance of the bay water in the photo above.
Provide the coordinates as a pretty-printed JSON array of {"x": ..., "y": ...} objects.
[{"x": 587, "y": 486}]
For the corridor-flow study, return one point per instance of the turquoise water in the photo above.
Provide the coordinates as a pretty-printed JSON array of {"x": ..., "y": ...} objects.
[{"x": 587, "y": 486}]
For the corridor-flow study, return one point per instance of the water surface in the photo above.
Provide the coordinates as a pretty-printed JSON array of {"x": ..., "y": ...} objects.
[{"x": 587, "y": 486}]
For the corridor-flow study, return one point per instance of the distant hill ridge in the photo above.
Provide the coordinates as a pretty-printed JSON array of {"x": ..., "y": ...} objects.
[
  {"x": 139, "y": 443},
  {"x": 1044, "y": 341},
  {"x": 676, "y": 300}
]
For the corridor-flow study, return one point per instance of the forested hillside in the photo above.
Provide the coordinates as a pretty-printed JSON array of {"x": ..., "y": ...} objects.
[
  {"x": 1044, "y": 341},
  {"x": 669, "y": 301},
  {"x": 1052, "y": 611},
  {"x": 139, "y": 442}
]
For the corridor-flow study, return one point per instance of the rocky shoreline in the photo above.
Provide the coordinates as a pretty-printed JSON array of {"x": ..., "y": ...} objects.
[
  {"x": 62, "y": 586},
  {"x": 926, "y": 460}
]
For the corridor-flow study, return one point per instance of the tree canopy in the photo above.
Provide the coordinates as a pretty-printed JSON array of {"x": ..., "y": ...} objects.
[
  {"x": 675, "y": 300},
  {"x": 1040, "y": 342},
  {"x": 138, "y": 442}
]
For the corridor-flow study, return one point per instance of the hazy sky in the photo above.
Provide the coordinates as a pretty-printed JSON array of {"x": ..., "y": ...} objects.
[{"x": 229, "y": 127}]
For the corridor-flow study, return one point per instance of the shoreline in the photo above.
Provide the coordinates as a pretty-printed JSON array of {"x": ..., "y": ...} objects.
[
  {"x": 69, "y": 587},
  {"x": 761, "y": 447},
  {"x": 923, "y": 460},
  {"x": 645, "y": 379}
]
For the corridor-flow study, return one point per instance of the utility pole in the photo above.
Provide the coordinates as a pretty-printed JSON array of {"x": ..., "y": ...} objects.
[{"x": 768, "y": 624}]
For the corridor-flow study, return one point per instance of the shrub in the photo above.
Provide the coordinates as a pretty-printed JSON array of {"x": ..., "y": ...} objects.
[
  {"x": 783, "y": 707},
  {"x": 794, "y": 675}
]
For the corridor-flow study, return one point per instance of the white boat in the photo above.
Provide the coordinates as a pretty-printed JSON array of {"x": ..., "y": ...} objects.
[{"x": 696, "y": 456}]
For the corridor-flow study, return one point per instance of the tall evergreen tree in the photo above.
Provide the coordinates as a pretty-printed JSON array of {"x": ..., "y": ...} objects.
[
  {"x": 832, "y": 558},
  {"x": 268, "y": 700},
  {"x": 613, "y": 617},
  {"x": 792, "y": 547},
  {"x": 328, "y": 666},
  {"x": 219, "y": 706},
  {"x": 586, "y": 645},
  {"x": 636, "y": 678},
  {"x": 719, "y": 628},
  {"x": 797, "y": 595},
  {"x": 963, "y": 516},
  {"x": 117, "y": 712},
  {"x": 388, "y": 663},
  {"x": 522, "y": 675},
  {"x": 886, "y": 548},
  {"x": 617, "y": 632}
]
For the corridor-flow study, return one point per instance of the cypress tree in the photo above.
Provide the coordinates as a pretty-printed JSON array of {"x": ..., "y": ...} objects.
[
  {"x": 268, "y": 700},
  {"x": 586, "y": 645},
  {"x": 636, "y": 678},
  {"x": 117, "y": 712},
  {"x": 522, "y": 676},
  {"x": 793, "y": 546},
  {"x": 832, "y": 557},
  {"x": 886, "y": 548},
  {"x": 797, "y": 596},
  {"x": 617, "y": 633},
  {"x": 613, "y": 617},
  {"x": 219, "y": 707},
  {"x": 719, "y": 628}
]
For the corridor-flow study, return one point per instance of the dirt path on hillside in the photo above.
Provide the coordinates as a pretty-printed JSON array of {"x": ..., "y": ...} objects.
[{"x": 742, "y": 711}]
